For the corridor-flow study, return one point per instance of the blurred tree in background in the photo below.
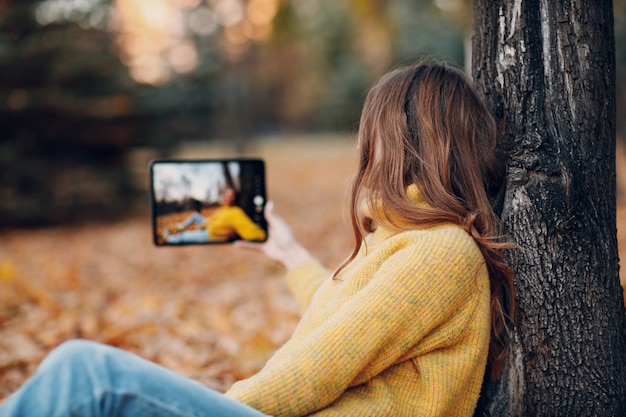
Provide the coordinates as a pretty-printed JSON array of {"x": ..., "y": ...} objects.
[
  {"x": 619, "y": 9},
  {"x": 85, "y": 83}
]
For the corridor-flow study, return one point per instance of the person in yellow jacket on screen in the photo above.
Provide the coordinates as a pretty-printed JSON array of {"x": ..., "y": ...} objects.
[
  {"x": 408, "y": 325},
  {"x": 228, "y": 222}
]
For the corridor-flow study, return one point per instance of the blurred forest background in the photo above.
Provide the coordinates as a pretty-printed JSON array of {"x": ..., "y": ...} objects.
[{"x": 90, "y": 90}]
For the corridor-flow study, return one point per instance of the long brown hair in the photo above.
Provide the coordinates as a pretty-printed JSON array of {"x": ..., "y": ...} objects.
[{"x": 425, "y": 125}]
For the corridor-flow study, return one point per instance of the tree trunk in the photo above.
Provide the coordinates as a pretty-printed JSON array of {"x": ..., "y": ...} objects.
[{"x": 547, "y": 69}]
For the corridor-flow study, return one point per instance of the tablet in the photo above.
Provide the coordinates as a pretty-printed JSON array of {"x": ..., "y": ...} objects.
[{"x": 207, "y": 201}]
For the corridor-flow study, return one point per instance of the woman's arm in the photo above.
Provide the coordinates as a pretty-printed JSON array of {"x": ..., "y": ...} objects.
[
  {"x": 413, "y": 292},
  {"x": 304, "y": 272}
]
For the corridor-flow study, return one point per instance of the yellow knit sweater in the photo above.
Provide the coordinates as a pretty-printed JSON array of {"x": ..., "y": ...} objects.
[
  {"x": 226, "y": 221},
  {"x": 402, "y": 331}
]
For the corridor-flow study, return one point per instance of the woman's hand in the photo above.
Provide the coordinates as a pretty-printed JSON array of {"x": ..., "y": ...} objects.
[{"x": 281, "y": 244}]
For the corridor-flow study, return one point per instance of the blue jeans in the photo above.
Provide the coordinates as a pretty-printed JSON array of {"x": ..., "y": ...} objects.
[
  {"x": 196, "y": 218},
  {"x": 81, "y": 378},
  {"x": 189, "y": 236}
]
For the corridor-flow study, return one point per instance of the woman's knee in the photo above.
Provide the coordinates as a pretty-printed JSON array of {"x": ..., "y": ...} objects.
[{"x": 72, "y": 354}]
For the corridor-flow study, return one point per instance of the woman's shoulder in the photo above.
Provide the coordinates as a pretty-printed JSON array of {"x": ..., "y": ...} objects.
[
  {"x": 445, "y": 257},
  {"x": 447, "y": 235},
  {"x": 448, "y": 243}
]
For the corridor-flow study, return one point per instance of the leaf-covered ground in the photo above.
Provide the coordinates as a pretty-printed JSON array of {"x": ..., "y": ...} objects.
[{"x": 212, "y": 313}]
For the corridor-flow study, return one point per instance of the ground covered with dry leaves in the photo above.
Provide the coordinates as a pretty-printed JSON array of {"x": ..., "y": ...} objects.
[{"x": 212, "y": 313}]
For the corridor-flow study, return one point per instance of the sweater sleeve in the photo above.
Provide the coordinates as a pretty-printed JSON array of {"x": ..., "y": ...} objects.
[
  {"x": 415, "y": 290},
  {"x": 304, "y": 280}
]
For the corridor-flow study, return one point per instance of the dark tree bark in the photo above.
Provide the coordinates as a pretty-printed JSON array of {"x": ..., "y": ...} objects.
[{"x": 547, "y": 69}]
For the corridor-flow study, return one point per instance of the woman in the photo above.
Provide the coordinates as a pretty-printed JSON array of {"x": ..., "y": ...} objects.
[
  {"x": 406, "y": 326},
  {"x": 227, "y": 222}
]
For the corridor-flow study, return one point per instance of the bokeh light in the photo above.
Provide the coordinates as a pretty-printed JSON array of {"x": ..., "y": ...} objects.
[
  {"x": 202, "y": 21},
  {"x": 229, "y": 12},
  {"x": 449, "y": 5},
  {"x": 183, "y": 57},
  {"x": 157, "y": 38}
]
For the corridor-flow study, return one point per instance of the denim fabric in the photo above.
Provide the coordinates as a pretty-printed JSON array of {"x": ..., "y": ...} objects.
[
  {"x": 87, "y": 379},
  {"x": 189, "y": 236},
  {"x": 196, "y": 218}
]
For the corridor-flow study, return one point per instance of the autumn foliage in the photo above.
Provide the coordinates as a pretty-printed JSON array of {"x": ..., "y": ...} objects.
[{"x": 214, "y": 314}]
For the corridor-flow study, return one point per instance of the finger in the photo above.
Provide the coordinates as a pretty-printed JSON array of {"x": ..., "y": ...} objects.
[
  {"x": 268, "y": 211},
  {"x": 248, "y": 245}
]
